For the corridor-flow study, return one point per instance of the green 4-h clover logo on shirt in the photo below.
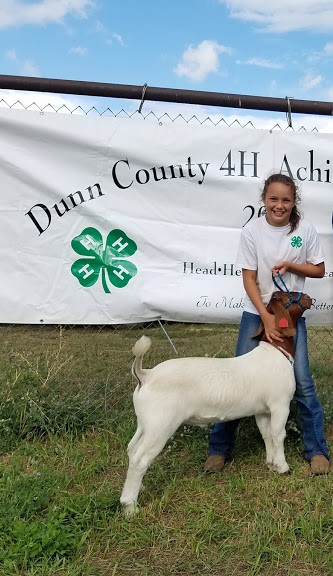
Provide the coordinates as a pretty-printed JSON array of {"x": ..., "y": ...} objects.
[
  {"x": 296, "y": 241},
  {"x": 111, "y": 262}
]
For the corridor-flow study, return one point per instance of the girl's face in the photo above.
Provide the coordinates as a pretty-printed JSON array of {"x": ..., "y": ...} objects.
[{"x": 279, "y": 201}]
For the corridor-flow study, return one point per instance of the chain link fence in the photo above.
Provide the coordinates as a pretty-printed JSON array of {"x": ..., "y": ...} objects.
[{"x": 74, "y": 377}]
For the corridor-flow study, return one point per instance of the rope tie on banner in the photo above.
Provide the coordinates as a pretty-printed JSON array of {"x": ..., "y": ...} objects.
[
  {"x": 144, "y": 88},
  {"x": 288, "y": 113}
]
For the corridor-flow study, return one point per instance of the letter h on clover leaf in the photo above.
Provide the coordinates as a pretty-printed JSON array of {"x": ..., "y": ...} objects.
[{"x": 111, "y": 262}]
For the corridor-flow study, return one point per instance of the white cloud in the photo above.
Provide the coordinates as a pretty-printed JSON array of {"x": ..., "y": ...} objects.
[
  {"x": 110, "y": 37},
  {"x": 11, "y": 55},
  {"x": 99, "y": 26},
  {"x": 80, "y": 50},
  {"x": 283, "y": 15},
  {"x": 262, "y": 63},
  {"x": 115, "y": 37},
  {"x": 18, "y": 13},
  {"x": 118, "y": 38},
  {"x": 28, "y": 68},
  {"x": 197, "y": 62},
  {"x": 328, "y": 48},
  {"x": 25, "y": 67},
  {"x": 310, "y": 80},
  {"x": 317, "y": 56},
  {"x": 330, "y": 94}
]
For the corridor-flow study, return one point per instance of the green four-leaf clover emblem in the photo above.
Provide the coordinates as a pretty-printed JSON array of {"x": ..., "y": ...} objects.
[
  {"x": 109, "y": 261},
  {"x": 296, "y": 241}
]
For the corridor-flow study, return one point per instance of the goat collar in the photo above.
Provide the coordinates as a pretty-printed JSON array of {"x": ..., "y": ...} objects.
[
  {"x": 285, "y": 353},
  {"x": 291, "y": 299}
]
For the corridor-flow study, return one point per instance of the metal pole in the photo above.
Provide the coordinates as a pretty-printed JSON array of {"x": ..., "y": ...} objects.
[{"x": 220, "y": 99}]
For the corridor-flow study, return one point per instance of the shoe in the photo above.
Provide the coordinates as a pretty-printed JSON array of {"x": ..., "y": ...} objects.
[
  {"x": 215, "y": 463},
  {"x": 319, "y": 464}
]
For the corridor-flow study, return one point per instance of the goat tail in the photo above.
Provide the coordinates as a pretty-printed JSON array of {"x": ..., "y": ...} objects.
[{"x": 139, "y": 349}]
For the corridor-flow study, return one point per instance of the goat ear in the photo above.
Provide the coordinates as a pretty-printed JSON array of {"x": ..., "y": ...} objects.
[
  {"x": 259, "y": 331},
  {"x": 261, "y": 327}
]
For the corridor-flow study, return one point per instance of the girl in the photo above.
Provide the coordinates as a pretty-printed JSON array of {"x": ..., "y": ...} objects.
[{"x": 279, "y": 242}]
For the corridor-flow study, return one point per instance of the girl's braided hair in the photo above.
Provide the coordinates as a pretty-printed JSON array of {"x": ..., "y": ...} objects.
[{"x": 295, "y": 215}]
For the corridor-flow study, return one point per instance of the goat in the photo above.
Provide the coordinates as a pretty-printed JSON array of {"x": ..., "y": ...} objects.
[{"x": 201, "y": 391}]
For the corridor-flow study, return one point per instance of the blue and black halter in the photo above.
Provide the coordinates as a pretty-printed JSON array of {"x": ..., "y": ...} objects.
[{"x": 291, "y": 299}]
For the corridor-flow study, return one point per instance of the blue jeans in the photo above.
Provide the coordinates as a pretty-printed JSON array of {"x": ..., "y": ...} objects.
[{"x": 222, "y": 438}]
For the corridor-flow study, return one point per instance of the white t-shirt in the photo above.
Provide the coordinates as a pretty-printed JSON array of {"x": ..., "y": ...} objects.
[{"x": 262, "y": 246}]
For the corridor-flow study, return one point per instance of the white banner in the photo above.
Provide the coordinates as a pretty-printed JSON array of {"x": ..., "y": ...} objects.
[{"x": 107, "y": 221}]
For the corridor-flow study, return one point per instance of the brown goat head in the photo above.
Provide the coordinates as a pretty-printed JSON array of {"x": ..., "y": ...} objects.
[{"x": 286, "y": 318}]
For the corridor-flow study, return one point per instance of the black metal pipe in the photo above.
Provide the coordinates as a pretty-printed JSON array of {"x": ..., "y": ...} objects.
[{"x": 166, "y": 95}]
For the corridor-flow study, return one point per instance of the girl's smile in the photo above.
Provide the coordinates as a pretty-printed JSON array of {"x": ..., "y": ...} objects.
[{"x": 279, "y": 202}]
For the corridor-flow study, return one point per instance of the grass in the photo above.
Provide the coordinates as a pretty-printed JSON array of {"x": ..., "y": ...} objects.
[{"x": 66, "y": 418}]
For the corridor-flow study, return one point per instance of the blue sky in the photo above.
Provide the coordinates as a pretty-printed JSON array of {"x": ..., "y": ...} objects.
[{"x": 275, "y": 48}]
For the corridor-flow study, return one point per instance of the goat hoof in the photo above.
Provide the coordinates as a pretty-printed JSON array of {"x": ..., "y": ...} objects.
[
  {"x": 130, "y": 510},
  {"x": 278, "y": 469}
]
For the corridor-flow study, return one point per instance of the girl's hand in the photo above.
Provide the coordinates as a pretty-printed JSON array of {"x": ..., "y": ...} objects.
[
  {"x": 308, "y": 270},
  {"x": 282, "y": 267},
  {"x": 271, "y": 332}
]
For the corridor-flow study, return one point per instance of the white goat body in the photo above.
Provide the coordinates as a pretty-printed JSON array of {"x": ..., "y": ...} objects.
[
  {"x": 202, "y": 391},
  {"x": 198, "y": 390}
]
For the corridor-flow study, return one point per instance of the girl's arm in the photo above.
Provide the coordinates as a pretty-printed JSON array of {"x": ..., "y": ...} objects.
[
  {"x": 308, "y": 270},
  {"x": 252, "y": 290}
]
